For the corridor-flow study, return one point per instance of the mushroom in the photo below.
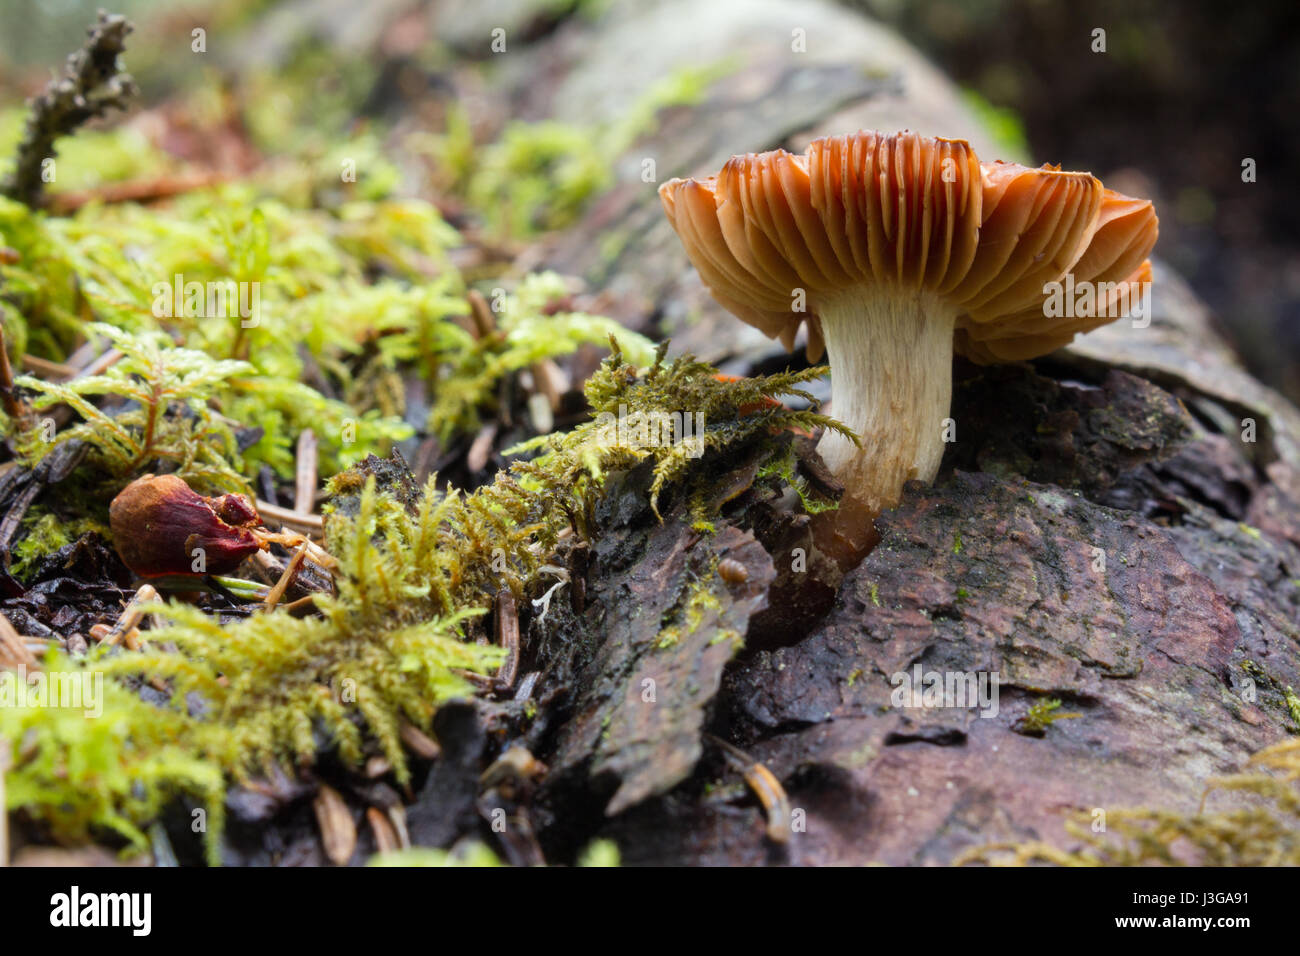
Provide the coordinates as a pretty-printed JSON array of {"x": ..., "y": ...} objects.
[{"x": 896, "y": 249}]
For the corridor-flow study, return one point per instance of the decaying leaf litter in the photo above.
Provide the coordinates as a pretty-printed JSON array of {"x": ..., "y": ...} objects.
[{"x": 493, "y": 646}]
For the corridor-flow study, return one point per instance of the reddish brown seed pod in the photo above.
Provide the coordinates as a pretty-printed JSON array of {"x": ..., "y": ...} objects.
[
  {"x": 732, "y": 571},
  {"x": 162, "y": 526}
]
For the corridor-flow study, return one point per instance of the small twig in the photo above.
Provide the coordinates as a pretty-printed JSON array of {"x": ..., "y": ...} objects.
[
  {"x": 13, "y": 648},
  {"x": 302, "y": 607},
  {"x": 397, "y": 817},
  {"x": 17, "y": 511},
  {"x": 305, "y": 476},
  {"x": 90, "y": 86},
  {"x": 18, "y": 411},
  {"x": 507, "y": 637},
  {"x": 481, "y": 448},
  {"x": 418, "y": 742},
  {"x": 290, "y": 570},
  {"x": 140, "y": 190},
  {"x": 479, "y": 310},
  {"x": 132, "y": 614},
  {"x": 294, "y": 519},
  {"x": 50, "y": 371},
  {"x": 292, "y": 539},
  {"x": 766, "y": 787},
  {"x": 386, "y": 840},
  {"x": 102, "y": 363}
]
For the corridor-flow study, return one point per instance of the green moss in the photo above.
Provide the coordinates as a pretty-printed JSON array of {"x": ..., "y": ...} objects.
[
  {"x": 356, "y": 291},
  {"x": 1265, "y": 831},
  {"x": 156, "y": 378},
  {"x": 41, "y": 534},
  {"x": 530, "y": 329},
  {"x": 785, "y": 468},
  {"x": 83, "y": 777},
  {"x": 599, "y": 853},
  {"x": 538, "y": 176},
  {"x": 1293, "y": 705},
  {"x": 1040, "y": 716},
  {"x": 388, "y": 647},
  {"x": 690, "y": 611},
  {"x": 639, "y": 415}
]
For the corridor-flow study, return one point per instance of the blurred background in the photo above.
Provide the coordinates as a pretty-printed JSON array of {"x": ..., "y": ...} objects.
[{"x": 1182, "y": 95}]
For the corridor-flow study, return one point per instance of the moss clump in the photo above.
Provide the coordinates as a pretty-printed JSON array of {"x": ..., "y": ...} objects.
[
  {"x": 389, "y": 647},
  {"x": 1041, "y": 715},
  {"x": 42, "y": 533},
  {"x": 785, "y": 469},
  {"x": 1266, "y": 833},
  {"x": 169, "y": 419},
  {"x": 532, "y": 325},
  {"x": 673, "y": 413},
  {"x": 80, "y": 777}
]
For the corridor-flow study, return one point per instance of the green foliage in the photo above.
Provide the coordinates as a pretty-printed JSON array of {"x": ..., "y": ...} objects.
[
  {"x": 388, "y": 647},
  {"x": 674, "y": 413},
  {"x": 317, "y": 314},
  {"x": 120, "y": 263},
  {"x": 161, "y": 381},
  {"x": 539, "y": 175},
  {"x": 467, "y": 370},
  {"x": 79, "y": 775},
  {"x": 354, "y": 288},
  {"x": 600, "y": 853},
  {"x": 39, "y": 304},
  {"x": 42, "y": 533},
  {"x": 785, "y": 468}
]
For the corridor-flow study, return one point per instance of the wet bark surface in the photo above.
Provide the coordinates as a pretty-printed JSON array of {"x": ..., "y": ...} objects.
[
  {"x": 1090, "y": 561},
  {"x": 1117, "y": 527}
]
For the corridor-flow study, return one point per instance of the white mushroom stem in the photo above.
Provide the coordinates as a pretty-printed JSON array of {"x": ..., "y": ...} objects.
[{"x": 890, "y": 354}]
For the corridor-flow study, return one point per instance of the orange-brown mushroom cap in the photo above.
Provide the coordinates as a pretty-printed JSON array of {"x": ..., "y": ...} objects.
[
  {"x": 896, "y": 250},
  {"x": 913, "y": 212}
]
